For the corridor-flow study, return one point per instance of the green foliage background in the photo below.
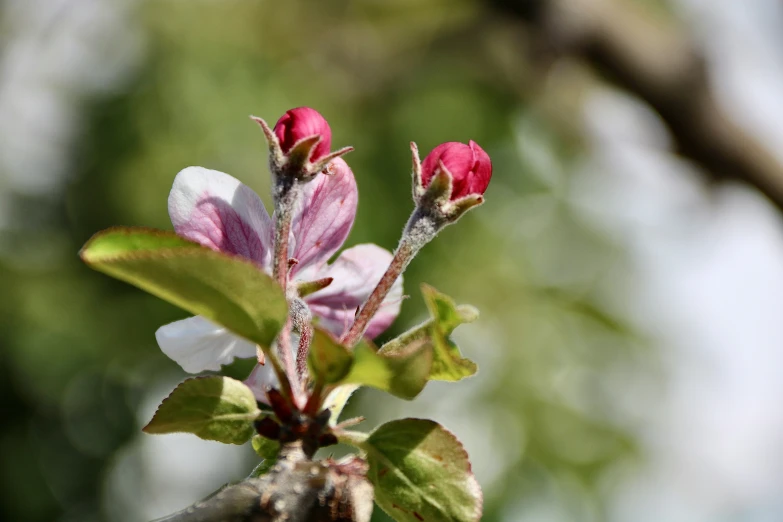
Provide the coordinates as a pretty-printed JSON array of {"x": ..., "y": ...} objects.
[{"x": 78, "y": 352}]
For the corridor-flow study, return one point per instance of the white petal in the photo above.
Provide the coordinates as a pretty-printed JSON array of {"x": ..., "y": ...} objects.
[
  {"x": 219, "y": 212},
  {"x": 197, "y": 344},
  {"x": 260, "y": 379}
]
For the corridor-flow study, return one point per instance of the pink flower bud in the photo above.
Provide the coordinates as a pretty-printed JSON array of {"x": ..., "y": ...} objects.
[
  {"x": 469, "y": 165},
  {"x": 304, "y": 122}
]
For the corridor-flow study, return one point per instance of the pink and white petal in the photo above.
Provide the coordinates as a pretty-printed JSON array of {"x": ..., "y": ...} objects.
[
  {"x": 261, "y": 378},
  {"x": 356, "y": 272},
  {"x": 221, "y": 213},
  {"x": 324, "y": 216},
  {"x": 198, "y": 344}
]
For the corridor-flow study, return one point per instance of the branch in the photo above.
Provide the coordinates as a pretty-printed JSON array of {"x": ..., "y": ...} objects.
[
  {"x": 297, "y": 489},
  {"x": 630, "y": 46}
]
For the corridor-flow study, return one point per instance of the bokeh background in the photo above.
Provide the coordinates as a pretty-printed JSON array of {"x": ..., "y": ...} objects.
[{"x": 628, "y": 262}]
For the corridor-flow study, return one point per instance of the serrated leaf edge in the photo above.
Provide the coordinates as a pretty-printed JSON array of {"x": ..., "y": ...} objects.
[{"x": 366, "y": 446}]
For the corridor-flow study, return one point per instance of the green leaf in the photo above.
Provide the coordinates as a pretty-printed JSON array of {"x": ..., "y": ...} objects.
[
  {"x": 265, "y": 448},
  {"x": 421, "y": 472},
  {"x": 447, "y": 363},
  {"x": 268, "y": 450},
  {"x": 213, "y": 408},
  {"x": 403, "y": 373},
  {"x": 228, "y": 290},
  {"x": 329, "y": 361},
  {"x": 264, "y": 467}
]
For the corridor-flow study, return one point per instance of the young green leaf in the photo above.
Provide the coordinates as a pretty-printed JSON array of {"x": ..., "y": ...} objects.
[
  {"x": 403, "y": 373},
  {"x": 268, "y": 450},
  {"x": 213, "y": 408},
  {"x": 228, "y": 290},
  {"x": 265, "y": 448},
  {"x": 448, "y": 363},
  {"x": 329, "y": 361},
  {"x": 421, "y": 472}
]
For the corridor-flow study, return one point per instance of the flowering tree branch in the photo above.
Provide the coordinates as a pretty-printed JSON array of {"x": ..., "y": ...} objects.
[{"x": 253, "y": 282}]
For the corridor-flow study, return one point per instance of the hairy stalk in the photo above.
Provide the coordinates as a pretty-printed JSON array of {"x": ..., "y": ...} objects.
[
  {"x": 420, "y": 230},
  {"x": 287, "y": 360},
  {"x": 402, "y": 256},
  {"x": 286, "y": 192},
  {"x": 305, "y": 337}
]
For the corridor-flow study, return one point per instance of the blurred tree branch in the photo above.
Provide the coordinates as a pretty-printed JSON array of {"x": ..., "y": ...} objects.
[
  {"x": 636, "y": 50},
  {"x": 297, "y": 489}
]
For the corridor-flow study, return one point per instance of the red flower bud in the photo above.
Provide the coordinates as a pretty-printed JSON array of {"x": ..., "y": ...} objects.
[
  {"x": 304, "y": 122},
  {"x": 469, "y": 165}
]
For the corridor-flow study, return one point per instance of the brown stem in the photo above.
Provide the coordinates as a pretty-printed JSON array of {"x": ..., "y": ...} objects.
[
  {"x": 287, "y": 360},
  {"x": 305, "y": 337},
  {"x": 316, "y": 398},
  {"x": 296, "y": 489},
  {"x": 405, "y": 252},
  {"x": 648, "y": 56},
  {"x": 284, "y": 209}
]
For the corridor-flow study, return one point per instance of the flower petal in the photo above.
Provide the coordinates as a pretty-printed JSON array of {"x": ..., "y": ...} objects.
[
  {"x": 260, "y": 379},
  {"x": 219, "y": 212},
  {"x": 197, "y": 344},
  {"x": 325, "y": 216},
  {"x": 355, "y": 273}
]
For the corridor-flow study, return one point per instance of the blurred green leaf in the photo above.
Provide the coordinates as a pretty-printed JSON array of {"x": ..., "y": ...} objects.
[
  {"x": 213, "y": 408},
  {"x": 403, "y": 373},
  {"x": 448, "y": 363},
  {"x": 264, "y": 467},
  {"x": 421, "y": 472},
  {"x": 329, "y": 361},
  {"x": 265, "y": 448},
  {"x": 225, "y": 289}
]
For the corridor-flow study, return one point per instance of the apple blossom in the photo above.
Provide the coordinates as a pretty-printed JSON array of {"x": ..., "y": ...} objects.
[
  {"x": 323, "y": 308},
  {"x": 219, "y": 212}
]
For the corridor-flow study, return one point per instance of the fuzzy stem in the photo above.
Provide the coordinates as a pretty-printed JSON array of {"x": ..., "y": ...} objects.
[
  {"x": 420, "y": 230},
  {"x": 305, "y": 337},
  {"x": 287, "y": 359},
  {"x": 291, "y": 384},
  {"x": 285, "y": 195}
]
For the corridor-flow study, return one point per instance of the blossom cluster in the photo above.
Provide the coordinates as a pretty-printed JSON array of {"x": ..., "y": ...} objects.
[
  {"x": 262, "y": 286},
  {"x": 217, "y": 211}
]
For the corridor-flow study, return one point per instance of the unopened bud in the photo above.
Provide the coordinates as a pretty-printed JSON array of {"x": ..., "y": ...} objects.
[
  {"x": 469, "y": 167},
  {"x": 300, "y": 124},
  {"x": 299, "y": 144}
]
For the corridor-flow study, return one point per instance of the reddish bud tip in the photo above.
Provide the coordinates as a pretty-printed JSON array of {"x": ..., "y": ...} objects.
[
  {"x": 469, "y": 165},
  {"x": 304, "y": 122}
]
